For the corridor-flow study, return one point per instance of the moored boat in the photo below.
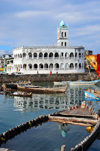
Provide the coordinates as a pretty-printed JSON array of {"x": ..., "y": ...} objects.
[
  {"x": 83, "y": 82},
  {"x": 61, "y": 83}
]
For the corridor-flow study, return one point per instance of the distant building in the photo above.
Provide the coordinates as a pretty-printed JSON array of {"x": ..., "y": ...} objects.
[
  {"x": 87, "y": 53},
  {"x": 4, "y": 61},
  {"x": 60, "y": 59}
]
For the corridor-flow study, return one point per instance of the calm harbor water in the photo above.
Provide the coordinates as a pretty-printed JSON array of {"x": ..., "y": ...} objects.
[{"x": 51, "y": 135}]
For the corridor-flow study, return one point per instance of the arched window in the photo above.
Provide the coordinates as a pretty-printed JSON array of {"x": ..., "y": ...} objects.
[
  {"x": 56, "y": 55},
  {"x": 61, "y": 66},
  {"x": 56, "y": 66},
  {"x": 35, "y": 66},
  {"x": 75, "y": 65},
  {"x": 50, "y": 55},
  {"x": 30, "y": 55},
  {"x": 24, "y": 66},
  {"x": 75, "y": 54},
  {"x": 71, "y": 66},
  {"x": 79, "y": 55},
  {"x": 65, "y": 34},
  {"x": 61, "y": 55},
  {"x": 79, "y": 65},
  {"x": 62, "y": 34},
  {"x": 65, "y": 44},
  {"x": 35, "y": 55},
  {"x": 30, "y": 66},
  {"x": 66, "y": 66},
  {"x": 40, "y": 55},
  {"x": 41, "y": 66},
  {"x": 46, "y": 66},
  {"x": 51, "y": 66},
  {"x": 24, "y": 55},
  {"x": 20, "y": 55},
  {"x": 61, "y": 43},
  {"x": 71, "y": 55},
  {"x": 45, "y": 55},
  {"x": 66, "y": 55}
]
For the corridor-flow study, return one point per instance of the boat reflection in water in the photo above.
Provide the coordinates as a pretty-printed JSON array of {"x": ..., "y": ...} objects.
[{"x": 50, "y": 101}]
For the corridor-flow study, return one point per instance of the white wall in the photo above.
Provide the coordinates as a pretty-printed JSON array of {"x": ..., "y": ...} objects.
[{"x": 61, "y": 60}]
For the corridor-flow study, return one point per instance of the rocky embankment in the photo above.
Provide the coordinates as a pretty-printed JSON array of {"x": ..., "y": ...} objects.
[{"x": 47, "y": 78}]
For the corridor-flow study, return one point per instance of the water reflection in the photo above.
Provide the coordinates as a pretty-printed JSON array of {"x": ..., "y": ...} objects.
[
  {"x": 64, "y": 128},
  {"x": 72, "y": 96},
  {"x": 71, "y": 134}
]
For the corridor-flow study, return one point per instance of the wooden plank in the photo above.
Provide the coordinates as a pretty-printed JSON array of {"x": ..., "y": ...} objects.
[
  {"x": 72, "y": 119},
  {"x": 76, "y": 115},
  {"x": 42, "y": 90},
  {"x": 69, "y": 122}
]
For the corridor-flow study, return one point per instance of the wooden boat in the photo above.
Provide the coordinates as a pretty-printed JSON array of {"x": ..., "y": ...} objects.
[
  {"x": 77, "y": 115},
  {"x": 61, "y": 83},
  {"x": 21, "y": 94},
  {"x": 42, "y": 90},
  {"x": 74, "y": 83}
]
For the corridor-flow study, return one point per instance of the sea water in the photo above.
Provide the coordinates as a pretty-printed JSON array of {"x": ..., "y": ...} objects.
[{"x": 51, "y": 135}]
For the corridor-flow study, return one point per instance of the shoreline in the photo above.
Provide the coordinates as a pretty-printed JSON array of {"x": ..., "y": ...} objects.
[{"x": 48, "y": 78}]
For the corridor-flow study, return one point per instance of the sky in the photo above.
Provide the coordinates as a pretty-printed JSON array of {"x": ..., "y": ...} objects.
[{"x": 35, "y": 22}]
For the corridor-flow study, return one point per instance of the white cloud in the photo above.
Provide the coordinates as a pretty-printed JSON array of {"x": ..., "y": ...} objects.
[
  {"x": 86, "y": 30},
  {"x": 25, "y": 25},
  {"x": 30, "y": 13}
]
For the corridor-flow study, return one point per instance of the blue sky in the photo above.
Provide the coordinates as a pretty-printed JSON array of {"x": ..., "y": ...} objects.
[{"x": 34, "y": 22}]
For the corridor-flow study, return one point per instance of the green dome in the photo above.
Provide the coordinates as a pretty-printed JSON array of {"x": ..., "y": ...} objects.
[{"x": 62, "y": 24}]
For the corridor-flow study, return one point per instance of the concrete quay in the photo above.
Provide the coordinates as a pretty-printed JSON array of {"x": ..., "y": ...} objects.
[{"x": 47, "y": 78}]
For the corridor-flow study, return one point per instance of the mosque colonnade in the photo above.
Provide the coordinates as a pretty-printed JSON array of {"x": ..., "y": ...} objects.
[{"x": 48, "y": 61}]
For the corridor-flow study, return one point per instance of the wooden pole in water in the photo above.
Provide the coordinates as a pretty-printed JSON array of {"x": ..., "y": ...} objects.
[
  {"x": 85, "y": 122},
  {"x": 63, "y": 148}
]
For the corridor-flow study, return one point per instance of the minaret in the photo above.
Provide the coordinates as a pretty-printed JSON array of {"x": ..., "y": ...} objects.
[{"x": 62, "y": 35}]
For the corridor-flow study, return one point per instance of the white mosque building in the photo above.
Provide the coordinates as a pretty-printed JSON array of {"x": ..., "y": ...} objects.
[{"x": 60, "y": 59}]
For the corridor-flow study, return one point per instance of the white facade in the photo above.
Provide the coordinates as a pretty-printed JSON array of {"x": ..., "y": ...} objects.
[
  {"x": 61, "y": 59},
  {"x": 62, "y": 35}
]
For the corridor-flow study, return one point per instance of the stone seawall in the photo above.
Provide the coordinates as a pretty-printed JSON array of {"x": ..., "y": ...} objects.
[{"x": 47, "y": 78}]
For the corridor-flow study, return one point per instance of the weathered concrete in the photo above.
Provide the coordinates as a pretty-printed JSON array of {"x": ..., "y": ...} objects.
[{"x": 46, "y": 78}]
